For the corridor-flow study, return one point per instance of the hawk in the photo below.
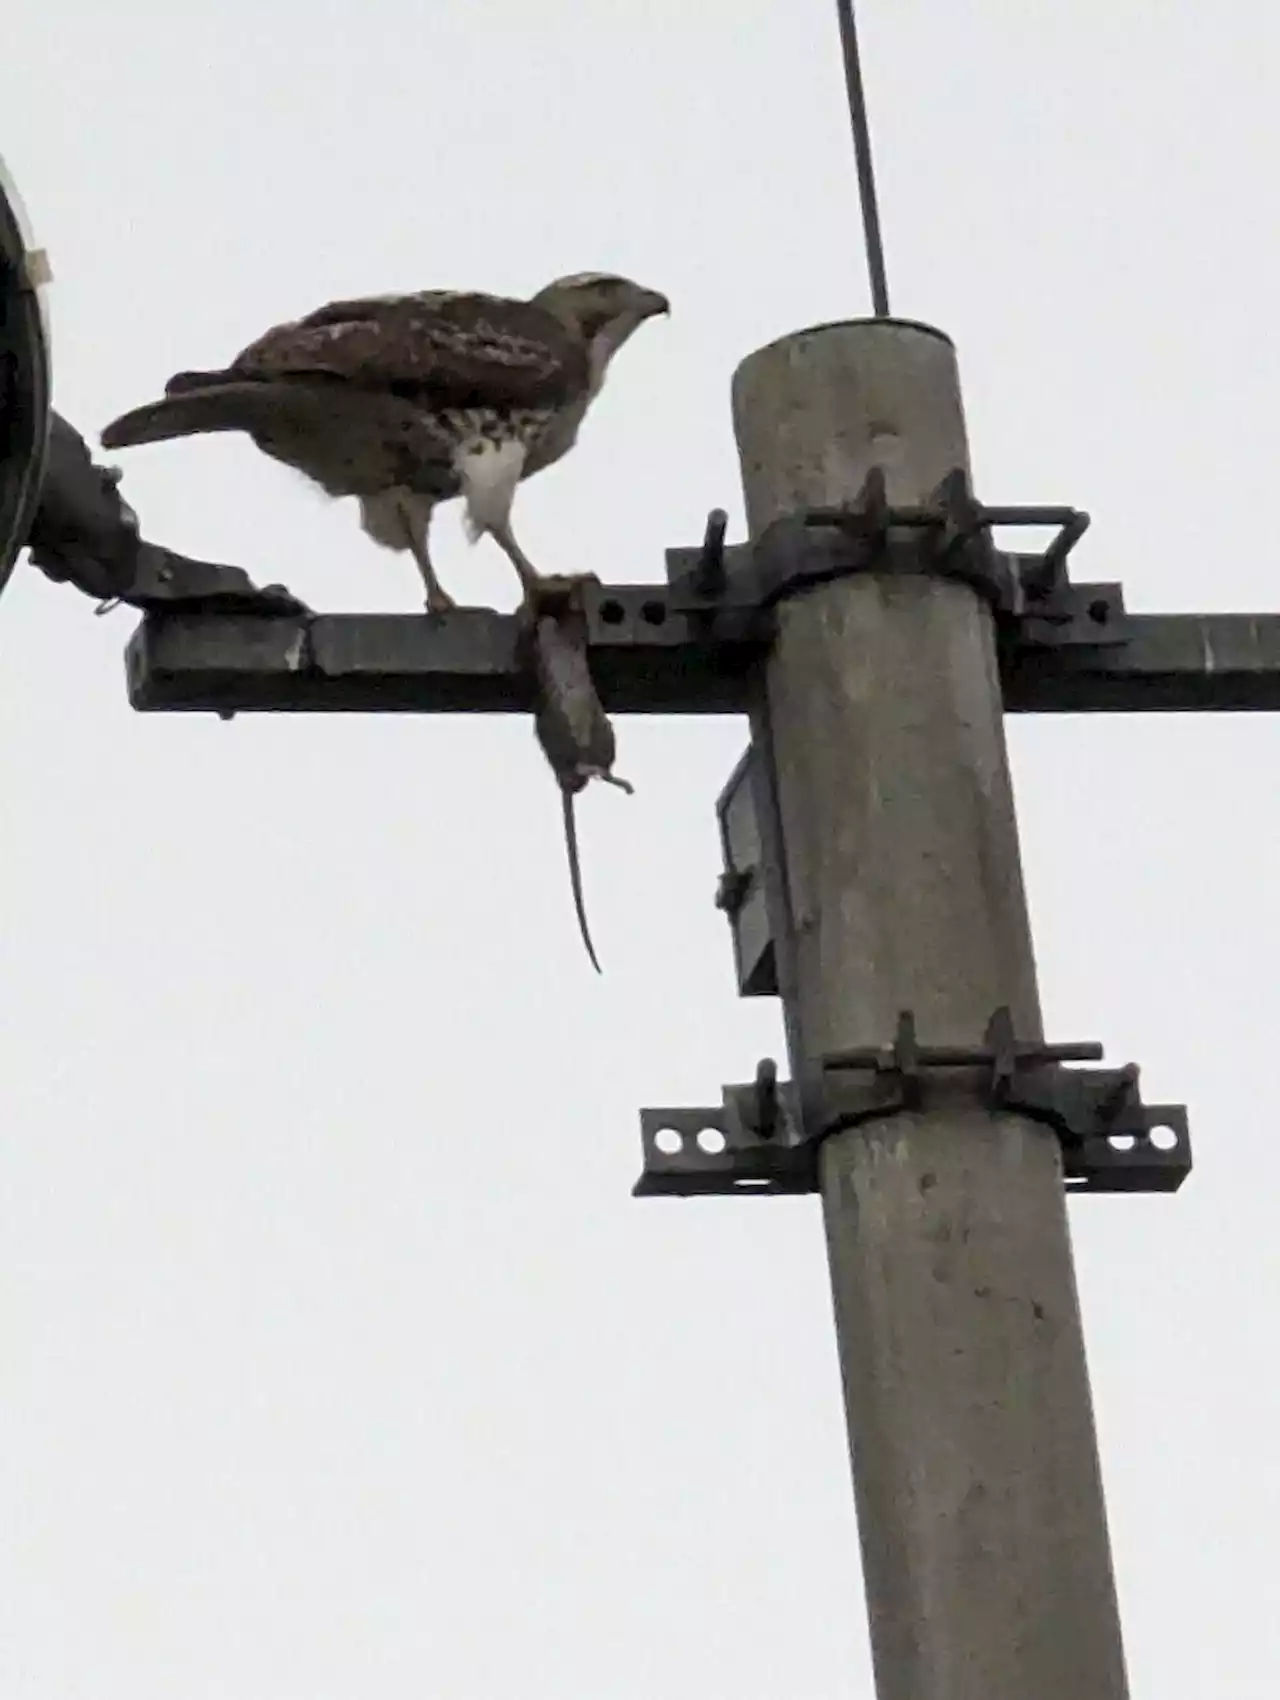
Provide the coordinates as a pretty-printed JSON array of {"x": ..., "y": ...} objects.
[{"x": 405, "y": 401}]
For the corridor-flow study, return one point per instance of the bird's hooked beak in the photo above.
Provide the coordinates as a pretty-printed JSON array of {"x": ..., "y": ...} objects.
[{"x": 652, "y": 304}]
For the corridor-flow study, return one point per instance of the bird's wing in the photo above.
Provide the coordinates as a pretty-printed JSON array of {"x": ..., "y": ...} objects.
[{"x": 441, "y": 348}]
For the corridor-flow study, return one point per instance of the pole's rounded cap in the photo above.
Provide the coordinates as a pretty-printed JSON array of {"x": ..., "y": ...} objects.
[{"x": 887, "y": 324}]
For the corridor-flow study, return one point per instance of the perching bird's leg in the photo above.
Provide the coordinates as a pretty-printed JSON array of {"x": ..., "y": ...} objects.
[
  {"x": 530, "y": 577},
  {"x": 401, "y": 519},
  {"x": 539, "y": 588},
  {"x": 417, "y": 525},
  {"x": 439, "y": 600},
  {"x": 489, "y": 473}
]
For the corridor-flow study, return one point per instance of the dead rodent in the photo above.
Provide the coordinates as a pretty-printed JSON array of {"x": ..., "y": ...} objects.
[{"x": 571, "y": 724}]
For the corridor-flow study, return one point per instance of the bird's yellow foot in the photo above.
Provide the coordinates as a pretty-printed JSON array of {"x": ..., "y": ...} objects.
[{"x": 439, "y": 602}]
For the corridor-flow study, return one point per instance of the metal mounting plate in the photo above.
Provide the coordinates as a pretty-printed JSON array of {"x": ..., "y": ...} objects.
[
  {"x": 687, "y": 664},
  {"x": 766, "y": 1136},
  {"x": 645, "y": 657},
  {"x": 714, "y": 1152}
]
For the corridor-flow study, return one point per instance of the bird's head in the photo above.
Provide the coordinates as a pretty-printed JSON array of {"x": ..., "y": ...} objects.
[{"x": 603, "y": 309}]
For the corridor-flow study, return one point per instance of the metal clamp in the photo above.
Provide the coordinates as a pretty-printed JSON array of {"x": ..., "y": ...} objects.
[
  {"x": 949, "y": 536},
  {"x": 766, "y": 1134}
]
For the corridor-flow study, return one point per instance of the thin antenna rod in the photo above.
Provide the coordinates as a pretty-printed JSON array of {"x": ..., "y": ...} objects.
[{"x": 862, "y": 152}]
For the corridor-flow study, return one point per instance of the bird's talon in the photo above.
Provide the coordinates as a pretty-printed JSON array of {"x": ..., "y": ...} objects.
[{"x": 551, "y": 590}]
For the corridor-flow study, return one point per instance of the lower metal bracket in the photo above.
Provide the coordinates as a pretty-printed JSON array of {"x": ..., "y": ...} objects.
[{"x": 765, "y": 1136}]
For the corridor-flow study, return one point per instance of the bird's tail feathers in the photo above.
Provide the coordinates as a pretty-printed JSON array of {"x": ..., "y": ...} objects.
[{"x": 187, "y": 413}]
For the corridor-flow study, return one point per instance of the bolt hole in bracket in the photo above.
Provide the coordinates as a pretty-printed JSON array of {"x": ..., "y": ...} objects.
[{"x": 772, "y": 1130}]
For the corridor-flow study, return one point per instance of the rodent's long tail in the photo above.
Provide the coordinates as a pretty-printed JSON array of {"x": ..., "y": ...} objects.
[{"x": 575, "y": 873}]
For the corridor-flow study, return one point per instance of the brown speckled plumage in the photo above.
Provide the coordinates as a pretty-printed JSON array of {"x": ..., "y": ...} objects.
[{"x": 406, "y": 401}]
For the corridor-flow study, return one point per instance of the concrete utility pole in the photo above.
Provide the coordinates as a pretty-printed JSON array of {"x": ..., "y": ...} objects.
[
  {"x": 985, "y": 1553},
  {"x": 876, "y": 636}
]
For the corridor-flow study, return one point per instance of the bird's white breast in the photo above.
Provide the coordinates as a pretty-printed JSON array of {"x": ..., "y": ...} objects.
[{"x": 490, "y": 471}]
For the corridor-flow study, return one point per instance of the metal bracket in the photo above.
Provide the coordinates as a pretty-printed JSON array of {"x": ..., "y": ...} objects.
[
  {"x": 765, "y": 1137},
  {"x": 84, "y": 533},
  {"x": 25, "y": 376},
  {"x": 1034, "y": 601}
]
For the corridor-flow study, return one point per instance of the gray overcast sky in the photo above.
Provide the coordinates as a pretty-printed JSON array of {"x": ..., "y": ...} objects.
[{"x": 335, "y": 1359}]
